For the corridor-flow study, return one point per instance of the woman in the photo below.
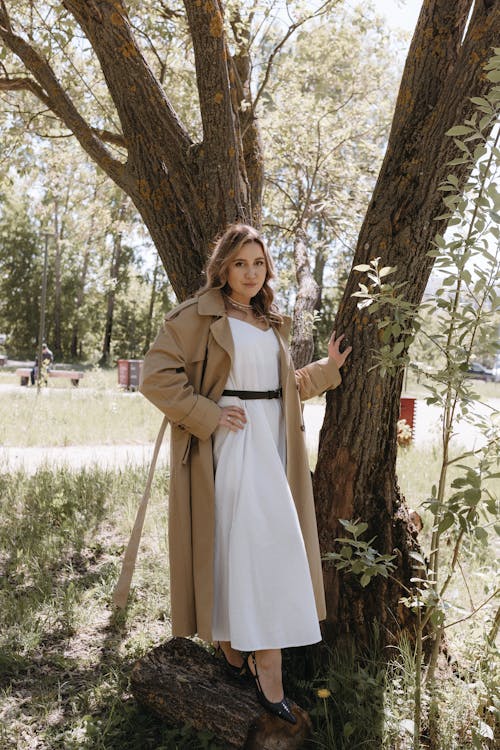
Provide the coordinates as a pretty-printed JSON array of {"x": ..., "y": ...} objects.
[{"x": 244, "y": 552}]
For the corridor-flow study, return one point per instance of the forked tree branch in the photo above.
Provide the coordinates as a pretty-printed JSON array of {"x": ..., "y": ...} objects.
[
  {"x": 131, "y": 82},
  {"x": 29, "y": 84},
  {"x": 49, "y": 90},
  {"x": 206, "y": 26}
]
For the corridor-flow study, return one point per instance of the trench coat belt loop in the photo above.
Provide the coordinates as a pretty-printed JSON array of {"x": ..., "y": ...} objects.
[{"x": 122, "y": 588}]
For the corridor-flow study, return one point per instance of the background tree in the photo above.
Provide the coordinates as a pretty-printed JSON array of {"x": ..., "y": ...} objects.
[
  {"x": 325, "y": 119},
  {"x": 20, "y": 276}
]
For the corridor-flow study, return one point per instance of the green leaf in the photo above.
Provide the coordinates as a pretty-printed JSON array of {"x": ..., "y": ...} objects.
[
  {"x": 418, "y": 557},
  {"x": 459, "y": 130},
  {"x": 481, "y": 534},
  {"x": 445, "y": 524},
  {"x": 480, "y": 101},
  {"x": 348, "y": 730},
  {"x": 387, "y": 270}
]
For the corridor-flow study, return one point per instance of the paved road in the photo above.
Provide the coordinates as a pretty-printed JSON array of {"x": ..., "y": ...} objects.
[{"x": 427, "y": 430}]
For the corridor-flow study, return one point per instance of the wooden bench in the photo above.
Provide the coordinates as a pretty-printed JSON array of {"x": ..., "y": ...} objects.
[{"x": 74, "y": 375}]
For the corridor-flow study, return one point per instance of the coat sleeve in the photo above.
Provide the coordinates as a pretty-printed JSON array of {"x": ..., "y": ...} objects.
[
  {"x": 316, "y": 378},
  {"x": 165, "y": 382}
]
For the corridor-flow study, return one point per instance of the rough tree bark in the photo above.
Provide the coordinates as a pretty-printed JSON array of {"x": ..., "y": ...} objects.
[{"x": 355, "y": 475}]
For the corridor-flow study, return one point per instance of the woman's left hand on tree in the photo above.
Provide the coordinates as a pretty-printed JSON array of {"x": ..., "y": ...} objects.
[{"x": 334, "y": 350}]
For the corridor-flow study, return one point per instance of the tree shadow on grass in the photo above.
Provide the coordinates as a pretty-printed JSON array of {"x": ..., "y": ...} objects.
[{"x": 65, "y": 657}]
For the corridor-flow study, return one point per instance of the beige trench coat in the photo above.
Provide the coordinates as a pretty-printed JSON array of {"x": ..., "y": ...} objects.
[{"x": 184, "y": 374}]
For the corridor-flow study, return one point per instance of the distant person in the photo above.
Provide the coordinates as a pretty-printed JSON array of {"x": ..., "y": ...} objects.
[{"x": 47, "y": 360}]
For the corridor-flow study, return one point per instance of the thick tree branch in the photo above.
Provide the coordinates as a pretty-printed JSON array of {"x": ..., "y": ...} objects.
[
  {"x": 28, "y": 84},
  {"x": 222, "y": 149},
  {"x": 47, "y": 87},
  {"x": 206, "y": 26},
  {"x": 418, "y": 151},
  {"x": 432, "y": 55},
  {"x": 108, "y": 29}
]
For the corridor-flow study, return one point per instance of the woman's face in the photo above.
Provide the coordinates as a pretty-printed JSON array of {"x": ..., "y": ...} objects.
[{"x": 247, "y": 272}]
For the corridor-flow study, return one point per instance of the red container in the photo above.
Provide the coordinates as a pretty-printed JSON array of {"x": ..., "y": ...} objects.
[
  {"x": 135, "y": 367},
  {"x": 407, "y": 411},
  {"x": 124, "y": 372}
]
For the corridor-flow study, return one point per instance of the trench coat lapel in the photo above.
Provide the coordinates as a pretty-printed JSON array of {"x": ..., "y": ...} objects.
[
  {"x": 222, "y": 335},
  {"x": 211, "y": 304}
]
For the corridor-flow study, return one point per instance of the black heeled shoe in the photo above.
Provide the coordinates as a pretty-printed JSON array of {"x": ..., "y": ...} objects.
[
  {"x": 282, "y": 708},
  {"x": 237, "y": 673}
]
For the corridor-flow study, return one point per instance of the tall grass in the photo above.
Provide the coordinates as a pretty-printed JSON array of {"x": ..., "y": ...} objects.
[{"x": 65, "y": 657}]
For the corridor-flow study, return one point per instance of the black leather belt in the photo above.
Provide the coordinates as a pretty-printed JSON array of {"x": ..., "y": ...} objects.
[{"x": 254, "y": 394}]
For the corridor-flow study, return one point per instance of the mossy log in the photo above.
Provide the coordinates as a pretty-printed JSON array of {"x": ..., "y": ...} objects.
[{"x": 184, "y": 684}]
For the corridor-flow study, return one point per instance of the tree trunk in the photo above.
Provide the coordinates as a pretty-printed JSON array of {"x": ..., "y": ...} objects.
[
  {"x": 57, "y": 344},
  {"x": 75, "y": 342},
  {"x": 114, "y": 272},
  {"x": 110, "y": 299},
  {"x": 306, "y": 302},
  {"x": 152, "y": 300},
  {"x": 182, "y": 683},
  {"x": 185, "y": 192},
  {"x": 355, "y": 475}
]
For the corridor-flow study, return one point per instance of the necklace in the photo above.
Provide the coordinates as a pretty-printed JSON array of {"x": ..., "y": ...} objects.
[{"x": 238, "y": 305}]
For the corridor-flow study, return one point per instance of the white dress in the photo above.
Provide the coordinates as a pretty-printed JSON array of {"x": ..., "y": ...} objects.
[{"x": 263, "y": 594}]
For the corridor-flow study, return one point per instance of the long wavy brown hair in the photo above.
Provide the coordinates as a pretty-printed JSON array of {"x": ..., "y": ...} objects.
[{"x": 226, "y": 247}]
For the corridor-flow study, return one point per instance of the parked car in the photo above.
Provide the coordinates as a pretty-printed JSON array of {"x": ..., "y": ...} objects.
[
  {"x": 496, "y": 370},
  {"x": 479, "y": 372}
]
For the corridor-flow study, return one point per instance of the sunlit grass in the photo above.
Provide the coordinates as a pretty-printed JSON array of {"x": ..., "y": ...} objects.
[
  {"x": 65, "y": 658},
  {"x": 76, "y": 416}
]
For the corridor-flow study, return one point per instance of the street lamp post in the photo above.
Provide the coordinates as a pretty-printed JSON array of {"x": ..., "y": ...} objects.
[{"x": 43, "y": 302}]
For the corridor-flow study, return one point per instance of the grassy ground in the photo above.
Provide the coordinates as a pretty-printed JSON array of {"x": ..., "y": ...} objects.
[
  {"x": 97, "y": 413},
  {"x": 65, "y": 658}
]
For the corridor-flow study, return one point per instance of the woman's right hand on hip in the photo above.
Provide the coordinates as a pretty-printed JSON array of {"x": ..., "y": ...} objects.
[{"x": 233, "y": 418}]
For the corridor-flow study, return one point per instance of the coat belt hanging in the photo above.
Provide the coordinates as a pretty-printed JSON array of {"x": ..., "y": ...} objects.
[{"x": 122, "y": 588}]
